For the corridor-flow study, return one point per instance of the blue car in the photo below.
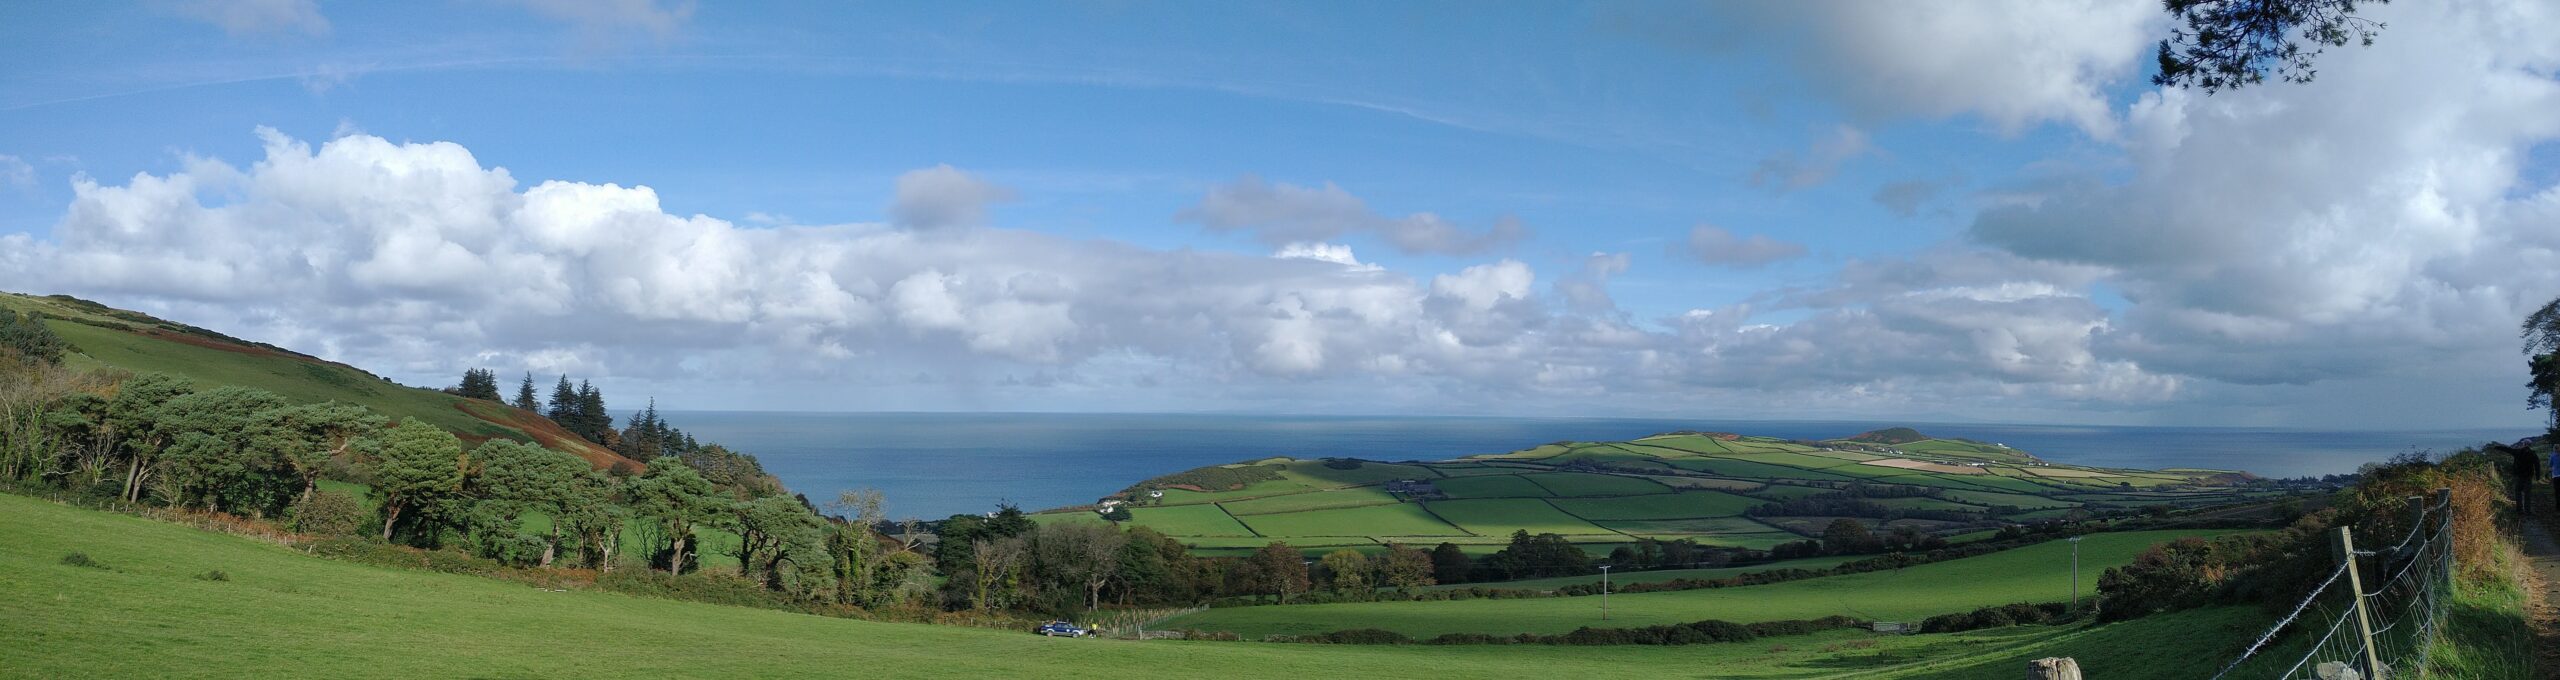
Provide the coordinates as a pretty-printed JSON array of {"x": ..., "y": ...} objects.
[{"x": 1057, "y": 628}]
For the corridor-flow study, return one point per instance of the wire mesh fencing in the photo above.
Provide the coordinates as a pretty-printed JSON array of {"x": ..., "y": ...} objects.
[{"x": 2375, "y": 616}]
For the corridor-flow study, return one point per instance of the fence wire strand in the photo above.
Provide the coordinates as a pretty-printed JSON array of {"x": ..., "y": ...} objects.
[{"x": 2404, "y": 611}]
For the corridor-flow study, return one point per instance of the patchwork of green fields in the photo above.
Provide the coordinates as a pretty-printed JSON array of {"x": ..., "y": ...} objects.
[
  {"x": 1686, "y": 504},
  {"x": 1602, "y": 494},
  {"x": 1500, "y": 516},
  {"x": 1493, "y": 486},
  {"x": 1400, "y": 519}
]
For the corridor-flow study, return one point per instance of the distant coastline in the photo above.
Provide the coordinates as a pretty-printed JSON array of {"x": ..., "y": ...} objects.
[{"x": 936, "y": 464}]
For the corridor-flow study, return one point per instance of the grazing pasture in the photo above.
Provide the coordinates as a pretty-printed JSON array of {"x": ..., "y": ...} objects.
[{"x": 2037, "y": 573}]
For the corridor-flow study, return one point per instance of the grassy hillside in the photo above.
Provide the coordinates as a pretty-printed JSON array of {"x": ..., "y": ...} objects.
[
  {"x": 1694, "y": 486},
  {"x": 101, "y": 336},
  {"x": 284, "y": 614},
  {"x": 2038, "y": 573}
]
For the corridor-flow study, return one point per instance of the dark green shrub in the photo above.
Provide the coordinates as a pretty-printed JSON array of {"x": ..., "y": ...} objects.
[
  {"x": 2002, "y": 616},
  {"x": 328, "y": 513},
  {"x": 1721, "y": 631},
  {"x": 215, "y": 575},
  {"x": 1358, "y": 636},
  {"x": 81, "y": 559},
  {"x": 1801, "y": 627}
]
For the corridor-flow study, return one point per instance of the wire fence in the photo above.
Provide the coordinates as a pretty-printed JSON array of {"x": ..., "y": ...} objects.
[{"x": 2375, "y": 616}]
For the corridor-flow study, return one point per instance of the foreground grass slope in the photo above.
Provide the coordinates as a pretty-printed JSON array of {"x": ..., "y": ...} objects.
[
  {"x": 2037, "y": 573},
  {"x": 283, "y": 614}
]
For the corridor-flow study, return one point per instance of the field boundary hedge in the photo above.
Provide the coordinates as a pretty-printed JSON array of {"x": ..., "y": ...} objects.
[{"x": 1695, "y": 632}]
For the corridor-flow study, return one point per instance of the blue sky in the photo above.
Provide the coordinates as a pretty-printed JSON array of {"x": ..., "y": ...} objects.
[{"x": 1981, "y": 211}]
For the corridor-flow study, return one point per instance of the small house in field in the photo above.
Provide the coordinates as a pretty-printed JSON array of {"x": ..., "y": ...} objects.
[{"x": 1416, "y": 489}]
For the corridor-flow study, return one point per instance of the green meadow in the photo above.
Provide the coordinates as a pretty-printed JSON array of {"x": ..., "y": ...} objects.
[{"x": 2037, "y": 573}]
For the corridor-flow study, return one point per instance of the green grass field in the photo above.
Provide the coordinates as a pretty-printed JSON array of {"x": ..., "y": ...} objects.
[
  {"x": 1501, "y": 516},
  {"x": 1401, "y": 519},
  {"x": 1682, "y": 505},
  {"x": 1567, "y": 484},
  {"x": 1314, "y": 500},
  {"x": 1191, "y": 520},
  {"x": 1492, "y": 486},
  {"x": 284, "y": 614},
  {"x": 1658, "y": 576},
  {"x": 2038, "y": 573},
  {"x": 1731, "y": 467}
]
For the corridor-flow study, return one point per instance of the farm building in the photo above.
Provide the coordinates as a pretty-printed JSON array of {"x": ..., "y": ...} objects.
[{"x": 1421, "y": 489}]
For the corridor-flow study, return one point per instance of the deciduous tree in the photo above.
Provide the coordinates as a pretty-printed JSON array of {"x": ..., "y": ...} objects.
[
  {"x": 1405, "y": 568},
  {"x": 1085, "y": 555},
  {"x": 1450, "y": 564},
  {"x": 1348, "y": 571},
  {"x": 1847, "y": 536},
  {"x": 1276, "y": 568}
]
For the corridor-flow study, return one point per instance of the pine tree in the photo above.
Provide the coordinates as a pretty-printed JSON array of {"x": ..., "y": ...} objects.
[
  {"x": 645, "y": 438},
  {"x": 593, "y": 420},
  {"x": 479, "y": 383},
  {"x": 564, "y": 403},
  {"x": 524, "y": 395}
]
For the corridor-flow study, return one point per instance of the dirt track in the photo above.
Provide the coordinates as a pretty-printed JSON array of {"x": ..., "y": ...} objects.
[{"x": 2542, "y": 555}]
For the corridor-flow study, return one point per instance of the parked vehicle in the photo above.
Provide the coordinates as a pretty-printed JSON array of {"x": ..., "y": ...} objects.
[{"x": 1057, "y": 628}]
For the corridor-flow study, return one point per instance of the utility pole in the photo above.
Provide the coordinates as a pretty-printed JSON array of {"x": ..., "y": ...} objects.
[
  {"x": 1604, "y": 592},
  {"x": 2075, "y": 573}
]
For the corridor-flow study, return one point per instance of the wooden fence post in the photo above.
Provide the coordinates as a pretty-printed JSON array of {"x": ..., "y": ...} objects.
[
  {"x": 2345, "y": 547},
  {"x": 2444, "y": 499}
]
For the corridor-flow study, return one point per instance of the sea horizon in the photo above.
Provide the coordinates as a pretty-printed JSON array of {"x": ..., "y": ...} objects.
[{"x": 935, "y": 464}]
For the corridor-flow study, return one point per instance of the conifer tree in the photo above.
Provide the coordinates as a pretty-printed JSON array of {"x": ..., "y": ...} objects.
[
  {"x": 525, "y": 398},
  {"x": 480, "y": 383},
  {"x": 593, "y": 420},
  {"x": 564, "y": 403}
]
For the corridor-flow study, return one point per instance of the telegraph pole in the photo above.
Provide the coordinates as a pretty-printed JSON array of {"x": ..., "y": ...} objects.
[
  {"x": 2075, "y": 574},
  {"x": 1604, "y": 592}
]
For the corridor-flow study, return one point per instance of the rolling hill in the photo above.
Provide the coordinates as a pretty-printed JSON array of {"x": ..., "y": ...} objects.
[
  {"x": 1698, "y": 486},
  {"x": 102, "y": 336}
]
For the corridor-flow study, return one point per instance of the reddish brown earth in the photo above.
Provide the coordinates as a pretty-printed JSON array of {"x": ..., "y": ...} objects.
[{"x": 544, "y": 432}]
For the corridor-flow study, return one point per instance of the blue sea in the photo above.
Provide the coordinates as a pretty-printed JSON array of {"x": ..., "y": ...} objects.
[{"x": 934, "y": 465}]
